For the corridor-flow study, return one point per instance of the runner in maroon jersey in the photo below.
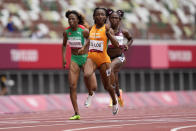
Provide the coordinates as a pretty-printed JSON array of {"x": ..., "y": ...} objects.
[{"x": 116, "y": 54}]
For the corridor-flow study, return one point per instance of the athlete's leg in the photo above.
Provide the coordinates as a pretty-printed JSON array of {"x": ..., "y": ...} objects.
[
  {"x": 105, "y": 71},
  {"x": 3, "y": 85},
  {"x": 116, "y": 66},
  {"x": 89, "y": 75},
  {"x": 90, "y": 80},
  {"x": 91, "y": 83},
  {"x": 74, "y": 72}
]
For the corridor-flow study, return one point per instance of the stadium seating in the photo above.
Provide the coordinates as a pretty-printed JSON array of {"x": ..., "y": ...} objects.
[{"x": 145, "y": 19}]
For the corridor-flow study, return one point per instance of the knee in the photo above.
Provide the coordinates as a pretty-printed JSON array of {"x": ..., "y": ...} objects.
[
  {"x": 94, "y": 87},
  {"x": 87, "y": 75},
  {"x": 107, "y": 86},
  {"x": 72, "y": 86}
]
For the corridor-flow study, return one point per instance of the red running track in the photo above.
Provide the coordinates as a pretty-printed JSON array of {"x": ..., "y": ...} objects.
[{"x": 181, "y": 118}]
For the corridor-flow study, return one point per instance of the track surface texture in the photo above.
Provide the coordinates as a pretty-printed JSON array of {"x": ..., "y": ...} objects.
[{"x": 178, "y": 118}]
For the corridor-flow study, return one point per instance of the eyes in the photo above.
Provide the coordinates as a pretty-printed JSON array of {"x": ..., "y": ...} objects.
[
  {"x": 100, "y": 14},
  {"x": 115, "y": 18},
  {"x": 72, "y": 17}
]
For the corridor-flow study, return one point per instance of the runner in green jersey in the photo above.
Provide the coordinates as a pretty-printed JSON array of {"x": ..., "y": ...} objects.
[{"x": 75, "y": 36}]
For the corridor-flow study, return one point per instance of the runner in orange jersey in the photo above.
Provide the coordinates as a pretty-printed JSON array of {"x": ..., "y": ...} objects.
[{"x": 98, "y": 58}]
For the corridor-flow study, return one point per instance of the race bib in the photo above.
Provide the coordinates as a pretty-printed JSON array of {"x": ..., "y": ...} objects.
[
  {"x": 96, "y": 45},
  {"x": 75, "y": 43},
  {"x": 119, "y": 39}
]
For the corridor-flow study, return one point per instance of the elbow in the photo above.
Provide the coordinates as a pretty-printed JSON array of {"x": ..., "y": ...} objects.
[{"x": 117, "y": 45}]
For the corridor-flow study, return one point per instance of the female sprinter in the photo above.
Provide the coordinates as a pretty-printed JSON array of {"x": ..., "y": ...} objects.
[
  {"x": 98, "y": 58},
  {"x": 75, "y": 35},
  {"x": 116, "y": 54}
]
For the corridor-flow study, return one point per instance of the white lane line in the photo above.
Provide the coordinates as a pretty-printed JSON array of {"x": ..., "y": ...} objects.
[
  {"x": 7, "y": 128},
  {"x": 54, "y": 116},
  {"x": 109, "y": 126},
  {"x": 109, "y": 120},
  {"x": 182, "y": 127}
]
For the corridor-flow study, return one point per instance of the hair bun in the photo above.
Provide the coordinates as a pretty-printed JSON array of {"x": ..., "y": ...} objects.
[
  {"x": 120, "y": 12},
  {"x": 110, "y": 11}
]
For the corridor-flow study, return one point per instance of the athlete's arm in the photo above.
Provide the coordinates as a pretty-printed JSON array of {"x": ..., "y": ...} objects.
[
  {"x": 64, "y": 48},
  {"x": 87, "y": 42},
  {"x": 111, "y": 37},
  {"x": 129, "y": 38}
]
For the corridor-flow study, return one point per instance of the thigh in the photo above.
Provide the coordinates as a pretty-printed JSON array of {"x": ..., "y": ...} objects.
[
  {"x": 89, "y": 67},
  {"x": 117, "y": 64},
  {"x": 74, "y": 72}
]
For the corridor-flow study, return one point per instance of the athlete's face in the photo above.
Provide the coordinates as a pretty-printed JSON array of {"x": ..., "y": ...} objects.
[
  {"x": 73, "y": 20},
  {"x": 114, "y": 19},
  {"x": 100, "y": 16}
]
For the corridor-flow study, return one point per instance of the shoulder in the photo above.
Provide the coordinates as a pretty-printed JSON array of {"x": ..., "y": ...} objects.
[
  {"x": 67, "y": 28},
  {"x": 85, "y": 32},
  {"x": 81, "y": 26}
]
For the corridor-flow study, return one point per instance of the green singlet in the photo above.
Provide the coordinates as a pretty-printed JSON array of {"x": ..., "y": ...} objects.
[{"x": 77, "y": 40}]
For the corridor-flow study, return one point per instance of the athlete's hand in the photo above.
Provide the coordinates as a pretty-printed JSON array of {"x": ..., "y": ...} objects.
[
  {"x": 81, "y": 51},
  {"x": 126, "y": 47}
]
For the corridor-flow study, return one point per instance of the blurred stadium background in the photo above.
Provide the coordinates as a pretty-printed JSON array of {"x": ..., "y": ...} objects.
[{"x": 162, "y": 58}]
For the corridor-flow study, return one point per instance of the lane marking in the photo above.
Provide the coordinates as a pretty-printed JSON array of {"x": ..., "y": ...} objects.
[
  {"x": 109, "y": 126},
  {"x": 7, "y": 128},
  {"x": 182, "y": 127},
  {"x": 116, "y": 125},
  {"x": 110, "y": 120}
]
